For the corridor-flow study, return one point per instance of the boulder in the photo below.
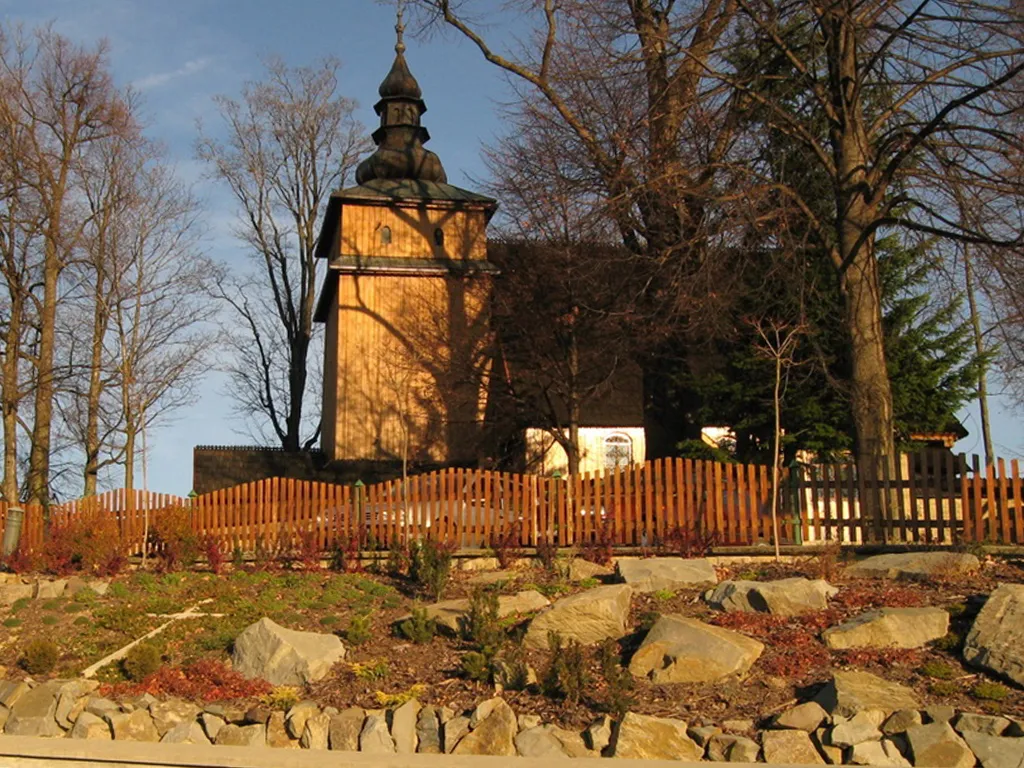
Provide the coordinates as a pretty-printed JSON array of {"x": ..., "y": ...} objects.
[
  {"x": 539, "y": 741},
  {"x": 375, "y": 738},
  {"x": 315, "y": 735},
  {"x": 295, "y": 719},
  {"x": 587, "y": 617},
  {"x": 454, "y": 731},
  {"x": 232, "y": 735},
  {"x": 12, "y": 592},
  {"x": 475, "y": 564},
  {"x": 653, "y": 738},
  {"x": 229, "y": 713},
  {"x": 702, "y": 734},
  {"x": 168, "y": 714},
  {"x": 345, "y": 729},
  {"x": 449, "y": 613},
  {"x": 34, "y": 712},
  {"x": 785, "y": 597},
  {"x": 939, "y": 713},
  {"x": 211, "y": 724},
  {"x": 655, "y": 573},
  {"x": 490, "y": 578},
  {"x": 89, "y": 726},
  {"x": 914, "y": 565},
  {"x": 789, "y": 748},
  {"x": 995, "y": 751},
  {"x": 48, "y": 589},
  {"x": 990, "y": 725},
  {"x": 996, "y": 640},
  {"x": 878, "y": 753},
  {"x": 900, "y": 721},
  {"x": 803, "y": 717},
  {"x": 11, "y": 691},
  {"x": 277, "y": 734},
  {"x": 403, "y": 727},
  {"x": 730, "y": 748},
  {"x": 185, "y": 732},
  {"x": 580, "y": 569},
  {"x": 889, "y": 628},
  {"x": 937, "y": 745},
  {"x": 428, "y": 731},
  {"x": 572, "y": 742},
  {"x": 599, "y": 734},
  {"x": 833, "y": 755},
  {"x": 134, "y": 726},
  {"x": 863, "y": 726},
  {"x": 284, "y": 656},
  {"x": 71, "y": 700},
  {"x": 493, "y": 734},
  {"x": 682, "y": 650},
  {"x": 852, "y": 691}
]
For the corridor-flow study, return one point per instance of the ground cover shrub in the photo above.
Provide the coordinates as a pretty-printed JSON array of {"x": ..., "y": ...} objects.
[
  {"x": 375, "y": 669},
  {"x": 237, "y": 557},
  {"x": 20, "y": 604},
  {"x": 397, "y": 563},
  {"x": 938, "y": 670},
  {"x": 956, "y": 610},
  {"x": 505, "y": 546},
  {"x": 205, "y": 680},
  {"x": 282, "y": 697},
  {"x": 50, "y": 620},
  {"x": 52, "y": 605},
  {"x": 566, "y": 677},
  {"x": 12, "y": 622},
  {"x": 172, "y": 540},
  {"x": 589, "y": 583},
  {"x": 989, "y": 691},
  {"x": 418, "y": 628},
  {"x": 142, "y": 661},
  {"x": 664, "y": 594},
  {"x": 398, "y": 698},
  {"x": 475, "y": 666},
  {"x": 329, "y": 620},
  {"x": 306, "y": 552},
  {"x": 39, "y": 657},
  {"x": 359, "y": 630},
  {"x": 950, "y": 642},
  {"x": 431, "y": 566},
  {"x": 599, "y": 548},
  {"x": 511, "y": 669},
  {"x": 118, "y": 590},
  {"x": 89, "y": 542},
  {"x": 943, "y": 688}
]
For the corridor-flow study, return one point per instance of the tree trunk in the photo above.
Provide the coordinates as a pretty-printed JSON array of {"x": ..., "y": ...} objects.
[
  {"x": 39, "y": 455},
  {"x": 777, "y": 406},
  {"x": 979, "y": 347},
  {"x": 573, "y": 456},
  {"x": 129, "y": 456},
  {"x": 92, "y": 412},
  {"x": 12, "y": 354}
]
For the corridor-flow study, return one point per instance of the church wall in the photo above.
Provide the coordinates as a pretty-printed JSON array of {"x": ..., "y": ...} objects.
[{"x": 412, "y": 232}]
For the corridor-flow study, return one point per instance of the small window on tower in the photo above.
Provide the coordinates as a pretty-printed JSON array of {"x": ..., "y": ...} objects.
[
  {"x": 439, "y": 237},
  {"x": 385, "y": 235}
]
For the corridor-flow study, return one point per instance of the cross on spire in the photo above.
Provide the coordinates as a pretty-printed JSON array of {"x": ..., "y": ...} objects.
[{"x": 399, "y": 27}]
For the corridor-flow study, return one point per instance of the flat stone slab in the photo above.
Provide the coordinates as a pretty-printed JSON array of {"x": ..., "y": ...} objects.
[
  {"x": 889, "y": 628},
  {"x": 996, "y": 639},
  {"x": 449, "y": 613},
  {"x": 656, "y": 573},
  {"x": 789, "y": 748},
  {"x": 938, "y": 746},
  {"x": 853, "y": 691},
  {"x": 580, "y": 569},
  {"x": 682, "y": 650},
  {"x": 995, "y": 751},
  {"x": 284, "y": 656},
  {"x": 489, "y": 578},
  {"x": 914, "y": 565},
  {"x": 784, "y": 597},
  {"x": 587, "y": 617}
]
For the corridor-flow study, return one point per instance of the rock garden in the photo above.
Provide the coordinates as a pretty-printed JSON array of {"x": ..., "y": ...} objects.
[{"x": 896, "y": 659}]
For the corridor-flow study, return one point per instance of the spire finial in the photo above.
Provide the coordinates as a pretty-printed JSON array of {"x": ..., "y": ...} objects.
[{"x": 400, "y": 28}]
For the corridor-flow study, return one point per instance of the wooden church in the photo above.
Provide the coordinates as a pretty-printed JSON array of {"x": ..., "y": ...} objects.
[{"x": 404, "y": 299}]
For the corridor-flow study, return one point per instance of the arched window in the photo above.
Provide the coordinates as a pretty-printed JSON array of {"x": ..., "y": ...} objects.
[
  {"x": 439, "y": 237},
  {"x": 618, "y": 451},
  {"x": 385, "y": 235}
]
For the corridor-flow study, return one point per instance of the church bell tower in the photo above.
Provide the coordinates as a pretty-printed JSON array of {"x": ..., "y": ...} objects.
[{"x": 405, "y": 298}]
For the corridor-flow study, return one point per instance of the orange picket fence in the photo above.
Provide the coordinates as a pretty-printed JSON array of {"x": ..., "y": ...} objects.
[{"x": 928, "y": 498}]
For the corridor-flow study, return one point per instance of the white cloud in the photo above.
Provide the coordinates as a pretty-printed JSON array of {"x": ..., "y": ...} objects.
[{"x": 191, "y": 67}]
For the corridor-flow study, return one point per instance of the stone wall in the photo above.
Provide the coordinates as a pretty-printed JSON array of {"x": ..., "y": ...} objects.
[{"x": 222, "y": 466}]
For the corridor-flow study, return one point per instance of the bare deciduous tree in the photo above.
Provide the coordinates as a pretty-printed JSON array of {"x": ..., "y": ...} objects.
[{"x": 291, "y": 140}]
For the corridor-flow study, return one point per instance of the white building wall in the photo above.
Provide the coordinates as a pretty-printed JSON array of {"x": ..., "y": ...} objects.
[{"x": 545, "y": 456}]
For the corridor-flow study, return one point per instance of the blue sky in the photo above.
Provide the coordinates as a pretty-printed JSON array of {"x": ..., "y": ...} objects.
[{"x": 180, "y": 54}]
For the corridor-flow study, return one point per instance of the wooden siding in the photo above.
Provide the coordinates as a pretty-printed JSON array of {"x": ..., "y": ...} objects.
[{"x": 412, "y": 232}]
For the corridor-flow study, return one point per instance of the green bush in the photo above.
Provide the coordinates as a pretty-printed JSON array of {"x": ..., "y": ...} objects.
[
  {"x": 12, "y": 622},
  {"x": 943, "y": 688},
  {"x": 329, "y": 620},
  {"x": 956, "y": 610},
  {"x": 664, "y": 594},
  {"x": 939, "y": 670},
  {"x": 20, "y": 604},
  {"x": 619, "y": 682},
  {"x": 482, "y": 625},
  {"x": 40, "y": 657},
  {"x": 949, "y": 642},
  {"x": 418, "y": 628},
  {"x": 175, "y": 544},
  {"x": 476, "y": 666},
  {"x": 988, "y": 691},
  {"x": 359, "y": 630},
  {"x": 431, "y": 566},
  {"x": 49, "y": 620},
  {"x": 567, "y": 675},
  {"x": 142, "y": 661}
]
